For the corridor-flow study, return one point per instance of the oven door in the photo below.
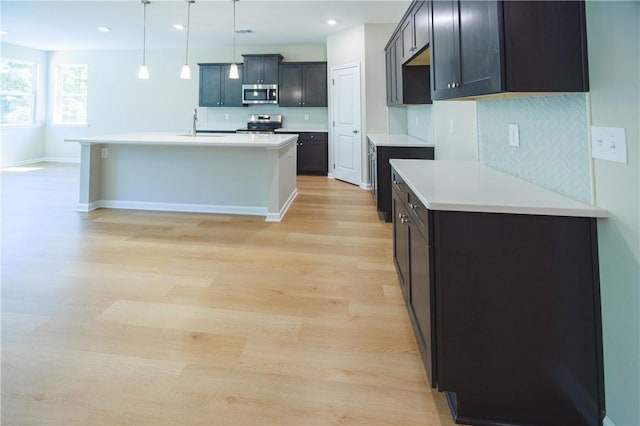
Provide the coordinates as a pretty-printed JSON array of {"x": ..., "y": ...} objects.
[{"x": 259, "y": 93}]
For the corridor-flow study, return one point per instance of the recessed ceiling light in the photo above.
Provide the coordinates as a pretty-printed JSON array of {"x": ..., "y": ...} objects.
[
  {"x": 178, "y": 27},
  {"x": 104, "y": 29},
  {"x": 332, "y": 22}
]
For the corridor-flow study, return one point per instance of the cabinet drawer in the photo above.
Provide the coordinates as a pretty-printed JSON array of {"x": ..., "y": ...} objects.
[
  {"x": 419, "y": 214},
  {"x": 312, "y": 137},
  {"x": 399, "y": 186}
]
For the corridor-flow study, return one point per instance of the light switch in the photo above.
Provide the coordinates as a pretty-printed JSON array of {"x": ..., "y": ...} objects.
[
  {"x": 104, "y": 152},
  {"x": 609, "y": 143},
  {"x": 451, "y": 129},
  {"x": 514, "y": 135}
]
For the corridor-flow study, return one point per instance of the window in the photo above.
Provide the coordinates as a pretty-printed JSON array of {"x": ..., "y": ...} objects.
[
  {"x": 17, "y": 92},
  {"x": 71, "y": 95}
]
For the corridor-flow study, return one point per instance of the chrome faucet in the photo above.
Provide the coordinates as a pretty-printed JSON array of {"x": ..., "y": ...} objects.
[{"x": 195, "y": 120}]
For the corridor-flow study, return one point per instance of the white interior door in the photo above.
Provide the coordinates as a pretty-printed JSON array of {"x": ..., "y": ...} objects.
[{"x": 346, "y": 118}]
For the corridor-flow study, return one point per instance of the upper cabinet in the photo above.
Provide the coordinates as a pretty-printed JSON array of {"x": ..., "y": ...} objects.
[
  {"x": 414, "y": 29},
  {"x": 489, "y": 47},
  {"x": 303, "y": 84},
  {"x": 261, "y": 69},
  {"x": 217, "y": 89},
  {"x": 407, "y": 61}
]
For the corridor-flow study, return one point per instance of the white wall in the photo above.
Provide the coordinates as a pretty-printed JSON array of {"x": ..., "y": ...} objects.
[
  {"x": 24, "y": 143},
  {"x": 614, "y": 79},
  {"x": 462, "y": 144}
]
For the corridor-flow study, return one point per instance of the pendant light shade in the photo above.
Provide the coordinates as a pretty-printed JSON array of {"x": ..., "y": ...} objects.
[
  {"x": 143, "y": 72},
  {"x": 233, "y": 69},
  {"x": 186, "y": 69}
]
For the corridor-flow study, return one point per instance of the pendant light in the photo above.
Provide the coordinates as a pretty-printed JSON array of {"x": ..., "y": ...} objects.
[
  {"x": 186, "y": 70},
  {"x": 143, "y": 72},
  {"x": 233, "y": 69}
]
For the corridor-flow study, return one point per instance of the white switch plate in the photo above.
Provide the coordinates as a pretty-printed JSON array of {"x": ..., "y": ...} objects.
[
  {"x": 306, "y": 117},
  {"x": 104, "y": 152},
  {"x": 514, "y": 135},
  {"x": 226, "y": 115},
  {"x": 609, "y": 143},
  {"x": 451, "y": 126}
]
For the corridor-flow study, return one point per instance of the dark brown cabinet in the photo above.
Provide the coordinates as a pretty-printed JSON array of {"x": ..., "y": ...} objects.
[
  {"x": 380, "y": 171},
  {"x": 407, "y": 65},
  {"x": 413, "y": 260},
  {"x": 489, "y": 47},
  {"x": 303, "y": 84},
  {"x": 217, "y": 89},
  {"x": 261, "y": 69},
  {"x": 506, "y": 310},
  {"x": 312, "y": 153}
]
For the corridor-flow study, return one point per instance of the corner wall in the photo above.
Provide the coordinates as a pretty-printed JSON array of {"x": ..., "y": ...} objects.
[{"x": 614, "y": 76}]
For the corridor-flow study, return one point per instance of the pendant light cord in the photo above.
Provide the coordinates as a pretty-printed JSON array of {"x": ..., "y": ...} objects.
[
  {"x": 144, "y": 32},
  {"x": 186, "y": 56},
  {"x": 234, "y": 31}
]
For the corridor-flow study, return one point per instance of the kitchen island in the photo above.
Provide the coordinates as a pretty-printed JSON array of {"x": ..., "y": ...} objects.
[{"x": 248, "y": 174}]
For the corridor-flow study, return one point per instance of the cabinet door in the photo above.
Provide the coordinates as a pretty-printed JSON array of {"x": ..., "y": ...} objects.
[
  {"x": 406, "y": 35},
  {"x": 252, "y": 70},
  {"x": 210, "y": 89},
  {"x": 389, "y": 60},
  {"x": 398, "y": 72},
  {"x": 420, "y": 297},
  {"x": 420, "y": 24},
  {"x": 290, "y": 85},
  {"x": 270, "y": 70},
  {"x": 312, "y": 154},
  {"x": 314, "y": 85},
  {"x": 401, "y": 243},
  {"x": 231, "y": 88},
  {"x": 445, "y": 50},
  {"x": 480, "y": 67}
]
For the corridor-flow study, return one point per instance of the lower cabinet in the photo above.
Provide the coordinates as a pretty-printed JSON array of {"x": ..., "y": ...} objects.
[
  {"x": 412, "y": 258},
  {"x": 312, "y": 153},
  {"x": 380, "y": 171},
  {"x": 505, "y": 309}
]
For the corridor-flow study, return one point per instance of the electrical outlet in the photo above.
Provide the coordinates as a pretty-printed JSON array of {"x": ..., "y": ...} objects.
[
  {"x": 451, "y": 128},
  {"x": 514, "y": 135},
  {"x": 306, "y": 117},
  {"x": 609, "y": 143},
  {"x": 417, "y": 121},
  {"x": 104, "y": 153},
  {"x": 226, "y": 115}
]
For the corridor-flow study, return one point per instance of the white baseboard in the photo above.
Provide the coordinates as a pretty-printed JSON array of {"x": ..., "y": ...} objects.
[
  {"x": 277, "y": 217},
  {"x": 41, "y": 160},
  {"x": 172, "y": 207}
]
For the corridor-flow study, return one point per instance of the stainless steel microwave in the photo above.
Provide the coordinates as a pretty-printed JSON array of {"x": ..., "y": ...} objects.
[{"x": 259, "y": 93}]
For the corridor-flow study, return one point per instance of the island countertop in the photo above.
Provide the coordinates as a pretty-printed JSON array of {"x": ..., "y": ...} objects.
[
  {"x": 274, "y": 141},
  {"x": 474, "y": 187}
]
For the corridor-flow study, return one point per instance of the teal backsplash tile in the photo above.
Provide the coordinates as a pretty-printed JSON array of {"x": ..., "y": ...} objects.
[{"x": 554, "y": 143}]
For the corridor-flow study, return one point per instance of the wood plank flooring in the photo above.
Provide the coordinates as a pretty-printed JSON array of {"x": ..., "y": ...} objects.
[{"x": 149, "y": 318}]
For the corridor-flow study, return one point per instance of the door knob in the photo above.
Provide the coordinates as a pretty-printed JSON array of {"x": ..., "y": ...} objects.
[{"x": 355, "y": 131}]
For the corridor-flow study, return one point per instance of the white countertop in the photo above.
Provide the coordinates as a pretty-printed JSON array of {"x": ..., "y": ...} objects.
[
  {"x": 202, "y": 139},
  {"x": 384, "y": 139},
  {"x": 474, "y": 187}
]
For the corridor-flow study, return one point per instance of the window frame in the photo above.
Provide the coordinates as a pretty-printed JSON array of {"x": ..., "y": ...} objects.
[
  {"x": 60, "y": 95},
  {"x": 31, "y": 96}
]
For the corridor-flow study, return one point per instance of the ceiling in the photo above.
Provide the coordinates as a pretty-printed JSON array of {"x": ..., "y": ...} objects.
[{"x": 73, "y": 25}]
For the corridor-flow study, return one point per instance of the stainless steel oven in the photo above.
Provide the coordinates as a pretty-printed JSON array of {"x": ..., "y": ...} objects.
[
  {"x": 259, "y": 93},
  {"x": 262, "y": 123}
]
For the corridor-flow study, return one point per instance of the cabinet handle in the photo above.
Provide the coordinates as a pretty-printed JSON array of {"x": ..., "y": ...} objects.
[
  {"x": 413, "y": 206},
  {"x": 403, "y": 218}
]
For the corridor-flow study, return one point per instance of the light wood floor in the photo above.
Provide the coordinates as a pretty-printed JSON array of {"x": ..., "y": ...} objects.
[{"x": 129, "y": 317}]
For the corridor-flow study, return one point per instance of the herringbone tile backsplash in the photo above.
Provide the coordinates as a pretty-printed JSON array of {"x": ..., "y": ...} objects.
[{"x": 554, "y": 143}]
